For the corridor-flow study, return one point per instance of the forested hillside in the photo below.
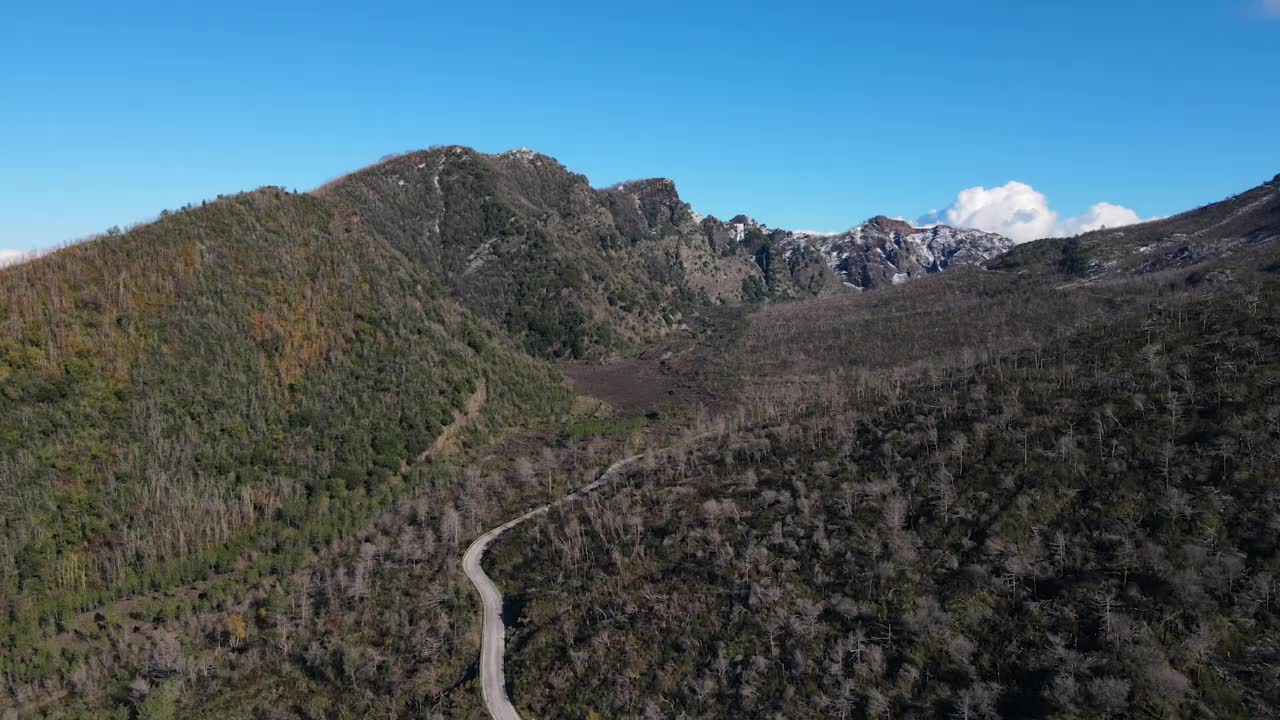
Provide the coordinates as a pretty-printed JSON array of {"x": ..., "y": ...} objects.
[
  {"x": 917, "y": 517},
  {"x": 243, "y": 448},
  {"x": 211, "y": 396}
]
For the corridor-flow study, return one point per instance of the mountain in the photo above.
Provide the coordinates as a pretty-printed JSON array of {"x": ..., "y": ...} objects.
[
  {"x": 243, "y": 447},
  {"x": 882, "y": 251},
  {"x": 1216, "y": 231},
  {"x": 984, "y": 494},
  {"x": 1081, "y": 526},
  {"x": 577, "y": 271},
  {"x": 517, "y": 238},
  {"x": 215, "y": 395},
  {"x": 155, "y": 379}
]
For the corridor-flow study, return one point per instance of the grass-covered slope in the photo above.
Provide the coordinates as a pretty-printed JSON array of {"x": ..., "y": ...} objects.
[{"x": 213, "y": 394}]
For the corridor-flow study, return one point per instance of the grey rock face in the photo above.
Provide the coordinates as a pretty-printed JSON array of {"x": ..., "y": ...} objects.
[{"x": 883, "y": 251}]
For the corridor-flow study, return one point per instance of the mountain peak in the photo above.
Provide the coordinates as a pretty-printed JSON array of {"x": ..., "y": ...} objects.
[
  {"x": 523, "y": 153},
  {"x": 649, "y": 189},
  {"x": 888, "y": 224},
  {"x": 657, "y": 201}
]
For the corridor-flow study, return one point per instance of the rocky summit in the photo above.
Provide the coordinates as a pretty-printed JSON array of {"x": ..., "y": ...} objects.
[
  {"x": 884, "y": 251},
  {"x": 579, "y": 271},
  {"x": 881, "y": 251}
]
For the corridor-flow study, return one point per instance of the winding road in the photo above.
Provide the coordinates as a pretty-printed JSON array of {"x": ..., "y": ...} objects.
[{"x": 493, "y": 683}]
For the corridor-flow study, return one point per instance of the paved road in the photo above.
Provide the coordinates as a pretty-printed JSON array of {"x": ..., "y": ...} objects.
[{"x": 493, "y": 684}]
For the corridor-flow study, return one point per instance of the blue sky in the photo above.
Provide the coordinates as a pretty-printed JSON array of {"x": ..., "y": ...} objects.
[{"x": 805, "y": 115}]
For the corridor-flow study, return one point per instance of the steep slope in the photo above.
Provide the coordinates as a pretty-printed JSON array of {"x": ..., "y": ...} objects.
[
  {"x": 880, "y": 252},
  {"x": 1212, "y": 232},
  {"x": 650, "y": 209},
  {"x": 883, "y": 251},
  {"x": 576, "y": 271},
  {"x": 516, "y": 237},
  {"x": 214, "y": 394}
]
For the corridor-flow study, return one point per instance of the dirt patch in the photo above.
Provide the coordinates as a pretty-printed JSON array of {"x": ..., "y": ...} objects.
[
  {"x": 632, "y": 386},
  {"x": 685, "y": 369}
]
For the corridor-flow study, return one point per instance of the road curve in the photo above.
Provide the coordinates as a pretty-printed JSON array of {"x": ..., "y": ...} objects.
[{"x": 493, "y": 684}]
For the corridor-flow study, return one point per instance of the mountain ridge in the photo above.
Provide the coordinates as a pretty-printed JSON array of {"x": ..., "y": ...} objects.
[
  {"x": 878, "y": 252},
  {"x": 241, "y": 447},
  {"x": 629, "y": 258},
  {"x": 1214, "y": 230}
]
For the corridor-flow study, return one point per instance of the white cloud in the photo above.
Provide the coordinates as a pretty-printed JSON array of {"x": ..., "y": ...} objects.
[
  {"x": 1268, "y": 8},
  {"x": 1022, "y": 213},
  {"x": 9, "y": 257},
  {"x": 1099, "y": 216},
  {"x": 919, "y": 222}
]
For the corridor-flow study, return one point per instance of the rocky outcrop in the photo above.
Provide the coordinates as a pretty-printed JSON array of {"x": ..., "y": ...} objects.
[
  {"x": 582, "y": 271},
  {"x": 648, "y": 209},
  {"x": 885, "y": 251},
  {"x": 651, "y": 212},
  {"x": 882, "y": 251}
]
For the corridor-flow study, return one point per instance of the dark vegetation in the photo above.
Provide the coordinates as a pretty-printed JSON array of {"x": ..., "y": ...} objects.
[
  {"x": 1085, "y": 525},
  {"x": 384, "y": 625},
  {"x": 207, "y": 399},
  {"x": 765, "y": 251},
  {"x": 1074, "y": 259}
]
